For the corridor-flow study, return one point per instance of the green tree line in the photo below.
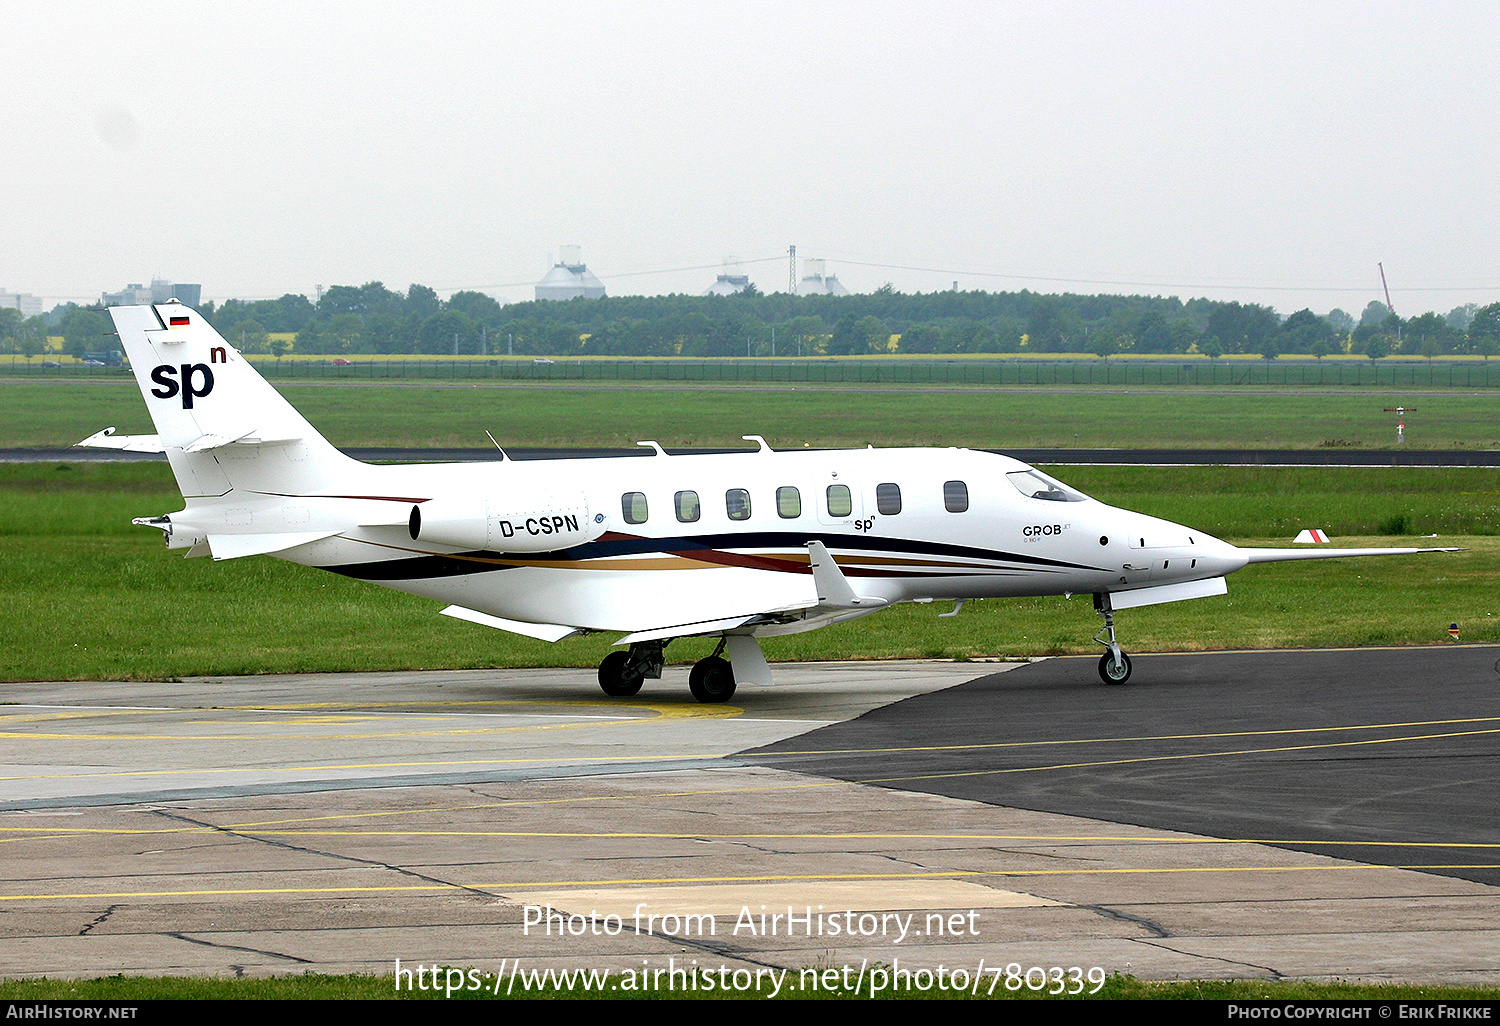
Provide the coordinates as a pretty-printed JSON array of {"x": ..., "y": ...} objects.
[{"x": 371, "y": 318}]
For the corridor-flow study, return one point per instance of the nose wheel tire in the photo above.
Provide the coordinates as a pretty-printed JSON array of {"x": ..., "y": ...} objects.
[
  {"x": 1112, "y": 670},
  {"x": 612, "y": 677},
  {"x": 712, "y": 680}
]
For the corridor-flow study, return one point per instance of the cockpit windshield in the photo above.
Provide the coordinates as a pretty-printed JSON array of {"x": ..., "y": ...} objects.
[{"x": 1035, "y": 485}]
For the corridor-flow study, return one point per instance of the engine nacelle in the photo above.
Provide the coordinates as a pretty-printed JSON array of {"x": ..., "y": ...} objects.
[
  {"x": 481, "y": 523},
  {"x": 175, "y": 536}
]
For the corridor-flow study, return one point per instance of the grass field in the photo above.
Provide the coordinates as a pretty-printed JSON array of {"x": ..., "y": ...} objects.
[
  {"x": 1039, "y": 369},
  {"x": 87, "y": 596},
  {"x": 59, "y": 414}
]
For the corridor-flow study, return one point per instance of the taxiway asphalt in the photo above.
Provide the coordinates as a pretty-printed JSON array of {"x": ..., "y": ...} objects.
[
  {"x": 1188, "y": 825},
  {"x": 1389, "y": 756}
]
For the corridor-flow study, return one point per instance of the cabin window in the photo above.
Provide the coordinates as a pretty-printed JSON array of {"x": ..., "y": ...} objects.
[
  {"x": 633, "y": 507},
  {"x": 737, "y": 504},
  {"x": 1036, "y": 485},
  {"x": 955, "y": 497},
  {"x": 840, "y": 502},
  {"x": 688, "y": 507},
  {"x": 788, "y": 502},
  {"x": 888, "y": 499}
]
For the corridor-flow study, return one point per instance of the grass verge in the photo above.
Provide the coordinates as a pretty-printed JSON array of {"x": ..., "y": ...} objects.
[
  {"x": 570, "y": 416},
  {"x": 312, "y": 987}
]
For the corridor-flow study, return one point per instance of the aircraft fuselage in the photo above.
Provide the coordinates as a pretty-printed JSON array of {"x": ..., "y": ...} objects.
[{"x": 685, "y": 539}]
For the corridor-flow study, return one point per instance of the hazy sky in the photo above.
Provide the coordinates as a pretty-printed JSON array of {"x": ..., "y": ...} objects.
[{"x": 1264, "y": 152}]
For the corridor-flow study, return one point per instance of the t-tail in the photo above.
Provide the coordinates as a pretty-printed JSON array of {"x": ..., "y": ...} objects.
[{"x": 242, "y": 455}]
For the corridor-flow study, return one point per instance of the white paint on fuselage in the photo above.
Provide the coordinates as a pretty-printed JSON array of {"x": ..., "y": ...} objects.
[{"x": 1017, "y": 545}]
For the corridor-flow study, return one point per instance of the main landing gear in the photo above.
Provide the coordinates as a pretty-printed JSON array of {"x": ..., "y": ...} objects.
[
  {"x": 1114, "y": 665},
  {"x": 712, "y": 679},
  {"x": 621, "y": 674}
]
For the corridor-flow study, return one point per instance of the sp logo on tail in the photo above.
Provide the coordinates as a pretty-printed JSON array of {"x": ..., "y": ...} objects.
[{"x": 197, "y": 381}]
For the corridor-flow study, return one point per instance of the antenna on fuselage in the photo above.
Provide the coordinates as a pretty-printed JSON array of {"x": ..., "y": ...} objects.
[
  {"x": 764, "y": 445},
  {"x": 656, "y": 446},
  {"x": 496, "y": 445}
]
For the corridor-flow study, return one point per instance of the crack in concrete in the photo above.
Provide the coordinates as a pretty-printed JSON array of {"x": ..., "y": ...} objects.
[
  {"x": 1126, "y": 917},
  {"x": 1040, "y": 854},
  {"x": 304, "y": 850},
  {"x": 235, "y": 947},
  {"x": 1274, "y": 974},
  {"x": 101, "y": 917}
]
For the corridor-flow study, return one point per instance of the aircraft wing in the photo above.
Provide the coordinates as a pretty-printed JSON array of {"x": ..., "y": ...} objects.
[
  {"x": 789, "y": 605},
  {"x": 542, "y": 631},
  {"x": 688, "y": 630},
  {"x": 764, "y": 603}
]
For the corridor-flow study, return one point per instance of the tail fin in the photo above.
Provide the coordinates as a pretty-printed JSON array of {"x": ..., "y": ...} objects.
[{"x": 222, "y": 425}]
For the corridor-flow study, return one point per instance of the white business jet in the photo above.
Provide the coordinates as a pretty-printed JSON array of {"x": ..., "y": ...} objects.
[{"x": 739, "y": 546}]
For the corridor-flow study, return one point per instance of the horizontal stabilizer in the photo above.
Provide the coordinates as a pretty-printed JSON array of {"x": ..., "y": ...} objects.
[
  {"x": 107, "y": 439},
  {"x": 207, "y": 442},
  {"x": 543, "y": 631},
  {"x": 233, "y": 546},
  {"x": 1282, "y": 555},
  {"x": 204, "y": 443},
  {"x": 1168, "y": 593}
]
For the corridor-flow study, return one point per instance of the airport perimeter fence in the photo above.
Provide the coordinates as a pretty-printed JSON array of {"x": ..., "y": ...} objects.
[{"x": 1389, "y": 373}]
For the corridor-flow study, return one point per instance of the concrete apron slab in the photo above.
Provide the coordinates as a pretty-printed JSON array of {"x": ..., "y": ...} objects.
[
  {"x": 730, "y": 867},
  {"x": 372, "y": 847}
]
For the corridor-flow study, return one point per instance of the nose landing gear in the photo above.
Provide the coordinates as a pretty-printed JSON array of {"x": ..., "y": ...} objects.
[{"x": 1114, "y": 665}]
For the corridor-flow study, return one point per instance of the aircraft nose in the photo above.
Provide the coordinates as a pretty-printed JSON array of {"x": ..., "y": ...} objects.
[
  {"x": 1176, "y": 550},
  {"x": 1218, "y": 557}
]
